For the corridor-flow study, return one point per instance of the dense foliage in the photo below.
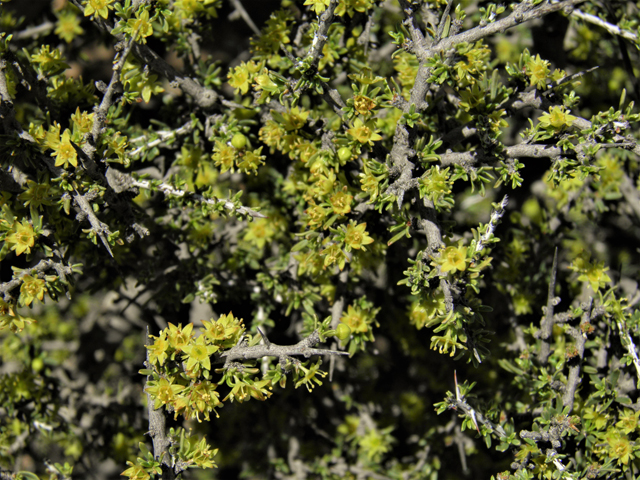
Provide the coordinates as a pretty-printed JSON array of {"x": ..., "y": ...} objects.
[{"x": 425, "y": 212}]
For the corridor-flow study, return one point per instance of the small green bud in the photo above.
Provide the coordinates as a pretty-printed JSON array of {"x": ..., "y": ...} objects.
[
  {"x": 239, "y": 141},
  {"x": 344, "y": 154},
  {"x": 37, "y": 364},
  {"x": 343, "y": 331}
]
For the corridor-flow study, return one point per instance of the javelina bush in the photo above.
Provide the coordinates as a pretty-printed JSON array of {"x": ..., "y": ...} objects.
[{"x": 427, "y": 213}]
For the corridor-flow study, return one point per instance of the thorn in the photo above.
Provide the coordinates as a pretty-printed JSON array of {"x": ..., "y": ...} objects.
[
  {"x": 455, "y": 378},
  {"x": 475, "y": 422},
  {"x": 106, "y": 244},
  {"x": 264, "y": 337}
]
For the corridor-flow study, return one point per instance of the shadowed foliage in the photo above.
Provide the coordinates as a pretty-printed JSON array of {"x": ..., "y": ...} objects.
[{"x": 425, "y": 212}]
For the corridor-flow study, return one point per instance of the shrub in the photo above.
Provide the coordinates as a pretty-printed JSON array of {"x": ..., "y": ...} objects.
[{"x": 425, "y": 212}]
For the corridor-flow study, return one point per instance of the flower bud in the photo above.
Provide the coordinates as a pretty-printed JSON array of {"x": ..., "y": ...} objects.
[
  {"x": 343, "y": 332},
  {"x": 239, "y": 141}
]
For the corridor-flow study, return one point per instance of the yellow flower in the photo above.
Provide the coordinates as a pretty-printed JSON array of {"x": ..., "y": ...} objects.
[
  {"x": 6, "y": 309},
  {"x": 223, "y": 156},
  {"x": 356, "y": 236},
  {"x": 363, "y": 104},
  {"x": 259, "y": 232},
  {"x": 309, "y": 262},
  {"x": 364, "y": 132},
  {"x": 136, "y": 472},
  {"x": 64, "y": 152},
  {"x": 163, "y": 392},
  {"x": 619, "y": 446},
  {"x": 82, "y": 122},
  {"x": 592, "y": 272},
  {"x": 68, "y": 26},
  {"x": 36, "y": 195},
  {"x": 316, "y": 216},
  {"x": 428, "y": 311},
  {"x": 356, "y": 319},
  {"x": 198, "y": 355},
  {"x": 264, "y": 82},
  {"x": 323, "y": 184},
  {"x": 341, "y": 202},
  {"x": 204, "y": 399},
  {"x": 311, "y": 375},
  {"x": 538, "y": 71},
  {"x": 557, "y": 119},
  {"x": 334, "y": 254},
  {"x": 22, "y": 239},
  {"x": 100, "y": 7},
  {"x": 158, "y": 350},
  {"x": 240, "y": 78},
  {"x": 141, "y": 25},
  {"x": 31, "y": 288},
  {"x": 179, "y": 337},
  {"x": 224, "y": 332},
  {"x": 318, "y": 6},
  {"x": 454, "y": 259}
]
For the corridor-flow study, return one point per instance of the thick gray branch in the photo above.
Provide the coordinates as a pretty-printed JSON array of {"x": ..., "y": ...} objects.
[{"x": 303, "y": 347}]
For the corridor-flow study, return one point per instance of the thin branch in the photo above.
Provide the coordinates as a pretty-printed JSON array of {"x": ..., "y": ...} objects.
[
  {"x": 240, "y": 10},
  {"x": 580, "y": 338},
  {"x": 86, "y": 211},
  {"x": 163, "y": 136},
  {"x": 157, "y": 428},
  {"x": 546, "y": 326},
  {"x": 523, "y": 150},
  {"x": 174, "y": 192},
  {"x": 31, "y": 32},
  {"x": 428, "y": 225},
  {"x": 631, "y": 347},
  {"x": 100, "y": 114},
  {"x": 336, "y": 313},
  {"x": 609, "y": 27},
  {"x": 460, "y": 403},
  {"x": 320, "y": 37},
  {"x": 39, "y": 269},
  {"x": 7, "y": 111},
  {"x": 410, "y": 22},
  {"x": 496, "y": 215},
  {"x": 522, "y": 13}
]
